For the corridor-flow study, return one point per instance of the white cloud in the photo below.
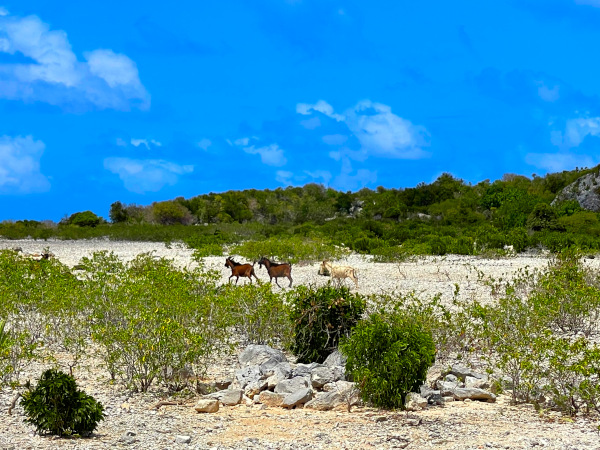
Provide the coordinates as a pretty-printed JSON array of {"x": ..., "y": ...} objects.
[
  {"x": 379, "y": 131},
  {"x": 106, "y": 80},
  {"x": 270, "y": 155},
  {"x": 146, "y": 143},
  {"x": 20, "y": 165},
  {"x": 576, "y": 131},
  {"x": 321, "y": 106},
  {"x": 382, "y": 133},
  {"x": 557, "y": 162},
  {"x": 3, "y": 11},
  {"x": 121, "y": 142},
  {"x": 204, "y": 144},
  {"x": 149, "y": 175}
]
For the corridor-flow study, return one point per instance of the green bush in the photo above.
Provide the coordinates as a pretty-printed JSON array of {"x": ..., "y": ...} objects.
[
  {"x": 320, "y": 317},
  {"x": 388, "y": 356},
  {"x": 56, "y": 406},
  {"x": 84, "y": 219}
]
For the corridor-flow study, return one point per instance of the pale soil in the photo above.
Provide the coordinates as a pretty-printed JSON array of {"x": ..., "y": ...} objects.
[{"x": 457, "y": 425}]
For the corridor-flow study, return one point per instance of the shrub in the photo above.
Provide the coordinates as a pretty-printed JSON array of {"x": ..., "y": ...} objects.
[
  {"x": 320, "y": 317},
  {"x": 84, "y": 219},
  {"x": 259, "y": 315},
  {"x": 388, "y": 356},
  {"x": 56, "y": 406}
]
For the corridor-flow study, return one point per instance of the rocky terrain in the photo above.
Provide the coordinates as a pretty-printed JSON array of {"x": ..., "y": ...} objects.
[{"x": 138, "y": 421}]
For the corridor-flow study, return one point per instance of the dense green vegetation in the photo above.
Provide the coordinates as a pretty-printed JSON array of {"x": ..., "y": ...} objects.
[
  {"x": 151, "y": 324},
  {"x": 312, "y": 222}
]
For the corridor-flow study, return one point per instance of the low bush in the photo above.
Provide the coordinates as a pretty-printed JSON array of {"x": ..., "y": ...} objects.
[
  {"x": 320, "y": 318},
  {"x": 57, "y": 407},
  {"x": 388, "y": 356}
]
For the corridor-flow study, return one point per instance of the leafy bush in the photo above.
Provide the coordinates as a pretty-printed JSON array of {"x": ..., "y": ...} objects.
[
  {"x": 259, "y": 315},
  {"x": 56, "y": 406},
  {"x": 388, "y": 356},
  {"x": 84, "y": 219},
  {"x": 320, "y": 317}
]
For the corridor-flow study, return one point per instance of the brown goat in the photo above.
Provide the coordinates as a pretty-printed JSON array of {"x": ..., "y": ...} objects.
[
  {"x": 277, "y": 270},
  {"x": 240, "y": 270}
]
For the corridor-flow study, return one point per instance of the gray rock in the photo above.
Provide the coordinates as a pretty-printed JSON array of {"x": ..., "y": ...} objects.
[
  {"x": 256, "y": 355},
  {"x": 228, "y": 397},
  {"x": 323, "y": 375},
  {"x": 128, "y": 438},
  {"x": 255, "y": 388},
  {"x": 325, "y": 401},
  {"x": 451, "y": 378},
  {"x": 433, "y": 396},
  {"x": 281, "y": 372},
  {"x": 292, "y": 385},
  {"x": 480, "y": 383},
  {"x": 181, "y": 439},
  {"x": 473, "y": 394},
  {"x": 271, "y": 398},
  {"x": 462, "y": 372},
  {"x": 248, "y": 375},
  {"x": 446, "y": 387},
  {"x": 207, "y": 405},
  {"x": 304, "y": 370},
  {"x": 297, "y": 398},
  {"x": 345, "y": 388},
  {"x": 584, "y": 190},
  {"x": 414, "y": 402},
  {"x": 336, "y": 358}
]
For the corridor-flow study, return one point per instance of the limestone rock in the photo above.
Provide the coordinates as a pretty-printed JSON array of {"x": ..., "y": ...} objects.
[
  {"x": 473, "y": 394},
  {"x": 584, "y": 190},
  {"x": 325, "y": 401},
  {"x": 292, "y": 385},
  {"x": 271, "y": 398},
  {"x": 414, "y": 402},
  {"x": 207, "y": 405},
  {"x": 228, "y": 397},
  {"x": 323, "y": 375},
  {"x": 255, "y": 355},
  {"x": 297, "y": 398},
  {"x": 336, "y": 358}
]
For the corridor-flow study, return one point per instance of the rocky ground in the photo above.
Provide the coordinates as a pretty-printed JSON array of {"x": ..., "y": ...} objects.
[{"x": 132, "y": 420}]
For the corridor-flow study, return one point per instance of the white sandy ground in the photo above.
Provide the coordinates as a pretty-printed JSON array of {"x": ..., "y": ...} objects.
[{"x": 457, "y": 425}]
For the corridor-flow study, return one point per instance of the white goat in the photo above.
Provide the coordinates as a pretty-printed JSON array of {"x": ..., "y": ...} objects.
[{"x": 339, "y": 272}]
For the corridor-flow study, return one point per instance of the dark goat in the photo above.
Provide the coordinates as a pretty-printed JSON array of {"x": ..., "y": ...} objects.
[
  {"x": 240, "y": 270},
  {"x": 276, "y": 270}
]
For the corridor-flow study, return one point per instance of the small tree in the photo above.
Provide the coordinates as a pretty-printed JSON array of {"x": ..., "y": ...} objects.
[
  {"x": 118, "y": 213},
  {"x": 169, "y": 213},
  {"x": 388, "y": 356},
  {"x": 543, "y": 217},
  {"x": 56, "y": 406},
  {"x": 320, "y": 318},
  {"x": 84, "y": 219}
]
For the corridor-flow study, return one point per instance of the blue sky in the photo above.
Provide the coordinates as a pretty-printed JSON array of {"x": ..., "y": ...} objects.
[{"x": 143, "y": 101}]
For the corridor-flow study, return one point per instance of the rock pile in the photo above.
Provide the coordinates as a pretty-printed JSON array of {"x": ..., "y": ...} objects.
[
  {"x": 457, "y": 383},
  {"x": 268, "y": 378}
]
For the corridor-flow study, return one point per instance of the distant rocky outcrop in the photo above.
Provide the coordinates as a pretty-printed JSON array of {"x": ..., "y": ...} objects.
[{"x": 586, "y": 190}]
